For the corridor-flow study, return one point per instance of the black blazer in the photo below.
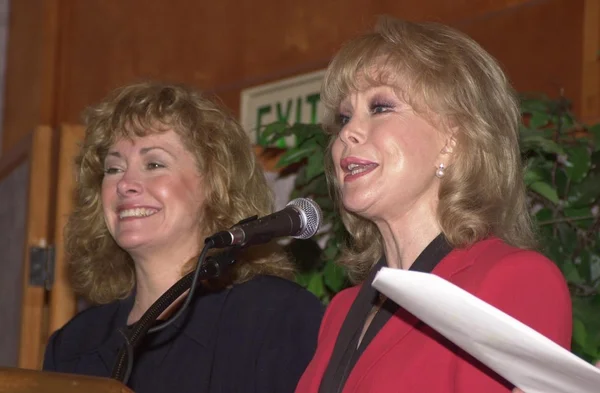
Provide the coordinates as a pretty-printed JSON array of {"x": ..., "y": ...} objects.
[{"x": 255, "y": 337}]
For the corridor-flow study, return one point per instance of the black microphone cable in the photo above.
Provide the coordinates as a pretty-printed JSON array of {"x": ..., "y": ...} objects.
[{"x": 211, "y": 269}]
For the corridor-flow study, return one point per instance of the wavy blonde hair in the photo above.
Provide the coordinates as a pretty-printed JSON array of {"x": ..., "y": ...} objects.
[
  {"x": 447, "y": 77},
  {"x": 234, "y": 183}
]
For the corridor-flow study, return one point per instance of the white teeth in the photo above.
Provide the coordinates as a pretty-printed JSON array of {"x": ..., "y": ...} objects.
[
  {"x": 137, "y": 212},
  {"x": 358, "y": 170}
]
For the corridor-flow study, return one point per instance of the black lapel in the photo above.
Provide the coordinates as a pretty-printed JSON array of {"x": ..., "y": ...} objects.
[{"x": 345, "y": 354}]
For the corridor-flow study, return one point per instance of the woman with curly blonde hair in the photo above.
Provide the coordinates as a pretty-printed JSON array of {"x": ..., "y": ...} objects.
[
  {"x": 425, "y": 167},
  {"x": 161, "y": 168}
]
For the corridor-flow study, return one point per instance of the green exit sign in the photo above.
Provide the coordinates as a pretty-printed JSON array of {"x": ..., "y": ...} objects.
[{"x": 292, "y": 100}]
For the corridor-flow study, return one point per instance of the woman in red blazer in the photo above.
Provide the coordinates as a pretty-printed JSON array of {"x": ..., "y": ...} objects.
[{"x": 425, "y": 166}]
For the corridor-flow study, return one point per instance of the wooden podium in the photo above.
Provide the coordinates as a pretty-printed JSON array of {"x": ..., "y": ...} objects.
[{"x": 16, "y": 380}]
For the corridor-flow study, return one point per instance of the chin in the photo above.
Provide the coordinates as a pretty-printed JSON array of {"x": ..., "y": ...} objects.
[
  {"x": 358, "y": 207},
  {"x": 132, "y": 243}
]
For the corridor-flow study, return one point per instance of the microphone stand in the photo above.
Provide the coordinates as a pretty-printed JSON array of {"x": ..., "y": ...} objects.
[{"x": 212, "y": 268}]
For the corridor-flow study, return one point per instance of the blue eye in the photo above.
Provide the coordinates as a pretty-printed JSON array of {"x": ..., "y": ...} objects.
[
  {"x": 377, "y": 108},
  {"x": 343, "y": 119}
]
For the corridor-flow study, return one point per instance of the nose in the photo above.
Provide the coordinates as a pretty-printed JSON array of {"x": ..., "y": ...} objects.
[
  {"x": 129, "y": 185},
  {"x": 353, "y": 132}
]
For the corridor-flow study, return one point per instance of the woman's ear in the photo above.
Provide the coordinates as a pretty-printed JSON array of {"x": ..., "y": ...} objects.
[
  {"x": 447, "y": 152},
  {"x": 449, "y": 146},
  {"x": 448, "y": 131}
]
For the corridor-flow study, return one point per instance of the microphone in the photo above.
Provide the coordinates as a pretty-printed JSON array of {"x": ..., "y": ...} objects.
[{"x": 300, "y": 219}]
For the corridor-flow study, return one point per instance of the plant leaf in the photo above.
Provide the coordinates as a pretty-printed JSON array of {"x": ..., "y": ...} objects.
[
  {"x": 579, "y": 332},
  {"x": 580, "y": 161},
  {"x": 294, "y": 155},
  {"x": 303, "y": 278},
  {"x": 272, "y": 132},
  {"x": 544, "y": 214},
  {"x": 334, "y": 276},
  {"x": 546, "y": 190},
  {"x": 571, "y": 273},
  {"x": 325, "y": 202},
  {"x": 315, "y": 285},
  {"x": 533, "y": 175},
  {"x": 332, "y": 250},
  {"x": 539, "y": 120},
  {"x": 595, "y": 131},
  {"x": 535, "y": 140},
  {"x": 585, "y": 310},
  {"x": 315, "y": 165},
  {"x": 577, "y": 214},
  {"x": 533, "y": 103},
  {"x": 305, "y": 132},
  {"x": 317, "y": 186}
]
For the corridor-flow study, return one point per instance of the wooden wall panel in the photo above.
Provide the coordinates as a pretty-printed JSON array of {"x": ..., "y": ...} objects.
[
  {"x": 38, "y": 218},
  {"x": 233, "y": 44},
  {"x": 62, "y": 300},
  {"x": 30, "y": 68},
  {"x": 228, "y": 45},
  {"x": 590, "y": 80},
  {"x": 539, "y": 46}
]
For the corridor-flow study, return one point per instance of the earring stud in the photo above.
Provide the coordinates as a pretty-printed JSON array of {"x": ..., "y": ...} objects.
[{"x": 440, "y": 171}]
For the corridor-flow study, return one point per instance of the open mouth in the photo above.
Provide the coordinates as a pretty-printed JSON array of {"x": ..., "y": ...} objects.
[
  {"x": 355, "y": 171},
  {"x": 137, "y": 212}
]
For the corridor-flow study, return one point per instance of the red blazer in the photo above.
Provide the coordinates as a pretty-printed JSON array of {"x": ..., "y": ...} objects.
[{"x": 407, "y": 356}]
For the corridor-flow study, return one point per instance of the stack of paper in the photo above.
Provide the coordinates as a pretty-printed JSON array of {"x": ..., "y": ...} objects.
[{"x": 524, "y": 357}]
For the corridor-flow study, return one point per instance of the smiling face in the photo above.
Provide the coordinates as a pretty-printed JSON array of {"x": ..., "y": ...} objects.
[
  {"x": 385, "y": 156},
  {"x": 152, "y": 194}
]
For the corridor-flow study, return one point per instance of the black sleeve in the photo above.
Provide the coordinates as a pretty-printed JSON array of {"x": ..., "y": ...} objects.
[
  {"x": 290, "y": 343},
  {"x": 50, "y": 363}
]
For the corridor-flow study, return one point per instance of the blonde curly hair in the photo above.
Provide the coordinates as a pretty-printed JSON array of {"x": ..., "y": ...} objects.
[
  {"x": 235, "y": 185},
  {"x": 447, "y": 77}
]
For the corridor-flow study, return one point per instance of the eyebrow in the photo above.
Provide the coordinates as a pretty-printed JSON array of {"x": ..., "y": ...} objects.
[{"x": 143, "y": 151}]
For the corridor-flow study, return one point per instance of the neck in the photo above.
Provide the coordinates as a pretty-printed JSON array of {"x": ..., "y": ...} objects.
[
  {"x": 406, "y": 236},
  {"x": 154, "y": 276}
]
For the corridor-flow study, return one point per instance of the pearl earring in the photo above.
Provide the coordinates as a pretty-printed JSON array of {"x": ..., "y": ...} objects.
[{"x": 440, "y": 171}]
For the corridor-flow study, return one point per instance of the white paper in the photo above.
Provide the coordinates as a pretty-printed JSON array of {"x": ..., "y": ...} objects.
[{"x": 523, "y": 356}]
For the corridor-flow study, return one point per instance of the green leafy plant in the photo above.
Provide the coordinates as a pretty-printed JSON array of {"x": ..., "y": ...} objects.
[
  {"x": 563, "y": 183},
  {"x": 321, "y": 275},
  {"x": 563, "y": 179}
]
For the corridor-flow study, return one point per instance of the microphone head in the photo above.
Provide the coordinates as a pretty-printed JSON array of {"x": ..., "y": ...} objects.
[{"x": 311, "y": 214}]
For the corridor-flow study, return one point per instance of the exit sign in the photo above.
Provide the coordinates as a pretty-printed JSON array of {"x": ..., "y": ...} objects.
[{"x": 292, "y": 100}]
